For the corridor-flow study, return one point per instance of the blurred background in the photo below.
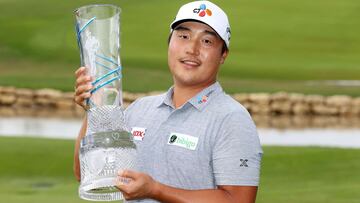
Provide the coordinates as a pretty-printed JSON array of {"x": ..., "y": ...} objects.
[{"x": 304, "y": 47}]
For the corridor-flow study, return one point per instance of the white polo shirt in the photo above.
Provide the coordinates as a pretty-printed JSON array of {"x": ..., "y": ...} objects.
[{"x": 211, "y": 140}]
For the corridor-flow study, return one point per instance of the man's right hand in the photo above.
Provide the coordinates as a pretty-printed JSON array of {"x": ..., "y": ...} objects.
[
  {"x": 82, "y": 87},
  {"x": 82, "y": 92}
]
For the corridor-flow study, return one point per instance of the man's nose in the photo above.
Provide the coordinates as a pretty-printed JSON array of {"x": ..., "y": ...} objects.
[{"x": 192, "y": 47}]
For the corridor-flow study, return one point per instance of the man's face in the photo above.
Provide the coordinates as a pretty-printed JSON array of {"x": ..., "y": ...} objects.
[{"x": 195, "y": 54}]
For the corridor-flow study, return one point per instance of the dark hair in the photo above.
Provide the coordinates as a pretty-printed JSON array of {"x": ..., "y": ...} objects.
[{"x": 224, "y": 48}]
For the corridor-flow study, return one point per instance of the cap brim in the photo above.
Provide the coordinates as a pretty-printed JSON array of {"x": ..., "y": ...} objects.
[{"x": 176, "y": 23}]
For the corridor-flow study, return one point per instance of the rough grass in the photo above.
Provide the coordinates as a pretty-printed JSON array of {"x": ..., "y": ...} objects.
[{"x": 40, "y": 170}]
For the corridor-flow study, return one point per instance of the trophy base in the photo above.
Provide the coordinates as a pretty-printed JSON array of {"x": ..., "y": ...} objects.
[{"x": 100, "y": 190}]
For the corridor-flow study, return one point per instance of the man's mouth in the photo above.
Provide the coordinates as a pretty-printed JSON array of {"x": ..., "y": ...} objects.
[{"x": 190, "y": 62}]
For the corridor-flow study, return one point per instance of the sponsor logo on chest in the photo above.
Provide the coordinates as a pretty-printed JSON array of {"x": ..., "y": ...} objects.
[
  {"x": 138, "y": 133},
  {"x": 182, "y": 140}
]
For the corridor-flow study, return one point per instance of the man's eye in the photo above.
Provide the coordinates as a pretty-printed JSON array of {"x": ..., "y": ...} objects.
[
  {"x": 207, "y": 41},
  {"x": 183, "y": 36}
]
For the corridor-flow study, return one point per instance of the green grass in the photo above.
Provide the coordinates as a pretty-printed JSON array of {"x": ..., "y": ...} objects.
[
  {"x": 311, "y": 175},
  {"x": 40, "y": 170},
  {"x": 283, "y": 41},
  {"x": 37, "y": 170}
]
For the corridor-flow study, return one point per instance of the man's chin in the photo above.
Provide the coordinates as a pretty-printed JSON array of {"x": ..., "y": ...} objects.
[
  {"x": 189, "y": 82},
  {"x": 185, "y": 82}
]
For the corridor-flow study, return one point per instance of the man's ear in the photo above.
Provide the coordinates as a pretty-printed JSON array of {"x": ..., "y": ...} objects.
[{"x": 223, "y": 56}]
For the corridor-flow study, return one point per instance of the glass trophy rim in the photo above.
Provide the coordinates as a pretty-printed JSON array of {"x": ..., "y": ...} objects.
[{"x": 115, "y": 7}]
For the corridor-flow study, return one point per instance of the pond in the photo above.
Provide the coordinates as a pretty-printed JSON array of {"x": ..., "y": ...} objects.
[{"x": 67, "y": 128}]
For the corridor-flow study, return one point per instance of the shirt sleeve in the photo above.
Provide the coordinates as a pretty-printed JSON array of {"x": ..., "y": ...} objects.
[{"x": 237, "y": 151}]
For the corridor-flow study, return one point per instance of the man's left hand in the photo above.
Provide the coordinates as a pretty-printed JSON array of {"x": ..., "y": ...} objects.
[{"x": 135, "y": 185}]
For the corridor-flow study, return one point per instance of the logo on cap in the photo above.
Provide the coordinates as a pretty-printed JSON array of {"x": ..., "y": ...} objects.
[
  {"x": 228, "y": 32},
  {"x": 202, "y": 11}
]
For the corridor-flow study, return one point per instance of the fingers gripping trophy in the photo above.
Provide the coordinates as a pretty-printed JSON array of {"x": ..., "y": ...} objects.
[{"x": 107, "y": 146}]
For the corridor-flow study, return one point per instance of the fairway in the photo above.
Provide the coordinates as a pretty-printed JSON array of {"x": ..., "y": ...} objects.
[
  {"x": 40, "y": 170},
  {"x": 276, "y": 45}
]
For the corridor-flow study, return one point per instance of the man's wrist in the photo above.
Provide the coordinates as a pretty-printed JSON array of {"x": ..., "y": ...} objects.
[{"x": 156, "y": 190}]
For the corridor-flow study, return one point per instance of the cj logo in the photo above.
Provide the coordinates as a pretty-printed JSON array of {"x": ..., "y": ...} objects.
[
  {"x": 202, "y": 99},
  {"x": 202, "y": 11}
]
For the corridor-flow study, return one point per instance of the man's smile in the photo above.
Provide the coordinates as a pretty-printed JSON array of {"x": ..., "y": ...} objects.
[{"x": 190, "y": 62}]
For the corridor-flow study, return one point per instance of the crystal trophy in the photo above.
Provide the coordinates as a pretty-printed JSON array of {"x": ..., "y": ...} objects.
[{"x": 107, "y": 146}]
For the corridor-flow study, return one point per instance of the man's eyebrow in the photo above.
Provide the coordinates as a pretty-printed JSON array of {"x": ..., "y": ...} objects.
[
  {"x": 181, "y": 28},
  {"x": 211, "y": 33}
]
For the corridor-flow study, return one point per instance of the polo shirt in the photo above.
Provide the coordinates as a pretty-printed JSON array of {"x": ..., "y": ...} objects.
[{"x": 210, "y": 140}]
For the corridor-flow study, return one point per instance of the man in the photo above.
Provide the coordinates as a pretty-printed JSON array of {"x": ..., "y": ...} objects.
[{"x": 199, "y": 144}]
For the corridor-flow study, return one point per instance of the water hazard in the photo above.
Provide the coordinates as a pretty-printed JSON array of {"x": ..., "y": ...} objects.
[{"x": 312, "y": 134}]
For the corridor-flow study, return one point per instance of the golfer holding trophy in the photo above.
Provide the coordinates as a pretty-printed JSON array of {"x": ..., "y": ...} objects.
[{"x": 194, "y": 143}]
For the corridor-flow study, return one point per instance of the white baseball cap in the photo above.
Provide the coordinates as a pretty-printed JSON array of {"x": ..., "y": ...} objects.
[{"x": 208, "y": 13}]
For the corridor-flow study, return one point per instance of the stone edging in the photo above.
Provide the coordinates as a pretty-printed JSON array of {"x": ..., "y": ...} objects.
[{"x": 280, "y": 103}]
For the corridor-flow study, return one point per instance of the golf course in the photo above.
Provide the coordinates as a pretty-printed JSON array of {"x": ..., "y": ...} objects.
[{"x": 277, "y": 45}]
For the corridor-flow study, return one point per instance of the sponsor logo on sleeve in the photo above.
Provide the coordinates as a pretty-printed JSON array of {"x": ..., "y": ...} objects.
[{"x": 243, "y": 163}]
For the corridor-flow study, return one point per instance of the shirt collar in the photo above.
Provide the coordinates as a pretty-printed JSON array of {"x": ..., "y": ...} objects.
[
  {"x": 199, "y": 101},
  {"x": 167, "y": 98}
]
